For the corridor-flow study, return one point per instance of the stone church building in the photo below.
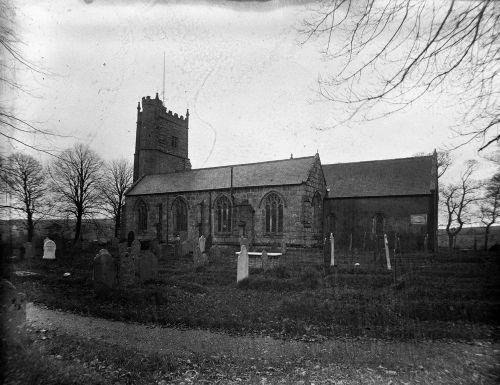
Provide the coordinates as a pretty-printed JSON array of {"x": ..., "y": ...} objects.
[{"x": 293, "y": 201}]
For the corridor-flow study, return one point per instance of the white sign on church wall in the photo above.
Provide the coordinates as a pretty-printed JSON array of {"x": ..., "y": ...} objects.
[{"x": 418, "y": 219}]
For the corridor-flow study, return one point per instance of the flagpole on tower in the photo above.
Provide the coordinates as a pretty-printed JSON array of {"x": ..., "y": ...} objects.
[{"x": 163, "y": 95}]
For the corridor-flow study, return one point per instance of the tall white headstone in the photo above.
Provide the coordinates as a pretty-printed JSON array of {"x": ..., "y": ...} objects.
[
  {"x": 49, "y": 249},
  {"x": 332, "y": 250},
  {"x": 386, "y": 243},
  {"x": 242, "y": 264},
  {"x": 201, "y": 243}
]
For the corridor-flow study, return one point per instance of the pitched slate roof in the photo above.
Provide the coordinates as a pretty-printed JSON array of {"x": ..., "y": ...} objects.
[
  {"x": 390, "y": 177},
  {"x": 273, "y": 173}
]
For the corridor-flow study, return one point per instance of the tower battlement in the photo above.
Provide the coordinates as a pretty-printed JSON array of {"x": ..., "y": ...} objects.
[
  {"x": 148, "y": 102},
  {"x": 161, "y": 143}
]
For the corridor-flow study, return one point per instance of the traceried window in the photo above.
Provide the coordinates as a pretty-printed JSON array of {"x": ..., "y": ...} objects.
[
  {"x": 223, "y": 215},
  {"x": 317, "y": 213},
  {"x": 142, "y": 216},
  {"x": 274, "y": 214},
  {"x": 378, "y": 223},
  {"x": 179, "y": 211}
]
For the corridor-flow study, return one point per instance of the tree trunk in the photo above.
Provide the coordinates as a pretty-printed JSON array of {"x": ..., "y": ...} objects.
[
  {"x": 486, "y": 235},
  {"x": 117, "y": 224},
  {"x": 31, "y": 227},
  {"x": 78, "y": 228},
  {"x": 450, "y": 243}
]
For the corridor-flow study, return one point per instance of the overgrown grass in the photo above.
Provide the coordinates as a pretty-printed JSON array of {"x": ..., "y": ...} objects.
[{"x": 424, "y": 299}]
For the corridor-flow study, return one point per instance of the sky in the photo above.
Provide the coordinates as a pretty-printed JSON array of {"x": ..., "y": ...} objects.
[{"x": 249, "y": 83}]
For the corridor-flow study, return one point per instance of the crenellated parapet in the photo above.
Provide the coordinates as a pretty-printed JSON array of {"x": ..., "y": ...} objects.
[{"x": 156, "y": 105}]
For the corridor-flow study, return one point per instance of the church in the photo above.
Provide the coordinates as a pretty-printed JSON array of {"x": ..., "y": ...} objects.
[{"x": 294, "y": 202}]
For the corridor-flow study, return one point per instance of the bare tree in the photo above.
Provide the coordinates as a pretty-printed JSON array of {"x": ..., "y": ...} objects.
[
  {"x": 117, "y": 178},
  {"x": 458, "y": 199},
  {"x": 390, "y": 53},
  {"x": 12, "y": 125},
  {"x": 490, "y": 206},
  {"x": 25, "y": 181},
  {"x": 76, "y": 175},
  {"x": 443, "y": 162}
]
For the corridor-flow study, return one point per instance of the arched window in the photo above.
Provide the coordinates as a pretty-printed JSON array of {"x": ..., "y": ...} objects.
[
  {"x": 274, "y": 214},
  {"x": 223, "y": 215},
  {"x": 317, "y": 213},
  {"x": 142, "y": 216},
  {"x": 378, "y": 223},
  {"x": 179, "y": 211}
]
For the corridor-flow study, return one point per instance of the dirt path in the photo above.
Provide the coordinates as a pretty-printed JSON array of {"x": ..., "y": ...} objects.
[{"x": 424, "y": 355}]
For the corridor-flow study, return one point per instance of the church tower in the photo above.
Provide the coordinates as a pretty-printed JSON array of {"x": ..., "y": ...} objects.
[{"x": 161, "y": 141}]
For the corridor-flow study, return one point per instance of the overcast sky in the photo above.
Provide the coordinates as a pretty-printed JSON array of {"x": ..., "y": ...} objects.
[{"x": 249, "y": 84}]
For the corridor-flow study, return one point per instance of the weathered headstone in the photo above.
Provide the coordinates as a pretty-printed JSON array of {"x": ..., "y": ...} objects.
[
  {"x": 127, "y": 270},
  {"x": 28, "y": 250},
  {"x": 49, "y": 249},
  {"x": 265, "y": 260},
  {"x": 148, "y": 266},
  {"x": 13, "y": 308},
  {"x": 215, "y": 252},
  {"x": 242, "y": 272},
  {"x": 201, "y": 243},
  {"x": 332, "y": 250},
  {"x": 197, "y": 257},
  {"x": 245, "y": 242},
  {"x": 204, "y": 258},
  {"x": 387, "y": 257},
  {"x": 186, "y": 247},
  {"x": 115, "y": 242},
  {"x": 154, "y": 246},
  {"x": 135, "y": 247},
  {"x": 122, "y": 247},
  {"x": 104, "y": 270},
  {"x": 283, "y": 246}
]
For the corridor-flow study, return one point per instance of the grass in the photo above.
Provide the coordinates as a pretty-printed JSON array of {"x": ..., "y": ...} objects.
[{"x": 436, "y": 299}]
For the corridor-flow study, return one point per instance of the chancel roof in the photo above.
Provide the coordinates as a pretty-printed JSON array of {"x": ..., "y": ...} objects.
[
  {"x": 390, "y": 177},
  {"x": 273, "y": 173}
]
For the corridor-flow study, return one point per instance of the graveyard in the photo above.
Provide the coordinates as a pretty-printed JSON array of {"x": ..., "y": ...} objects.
[{"x": 365, "y": 311}]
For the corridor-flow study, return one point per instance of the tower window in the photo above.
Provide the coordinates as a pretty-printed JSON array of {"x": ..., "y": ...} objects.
[
  {"x": 174, "y": 141},
  {"x": 142, "y": 216}
]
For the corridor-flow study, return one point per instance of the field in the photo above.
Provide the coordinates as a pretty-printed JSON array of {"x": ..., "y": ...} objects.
[{"x": 428, "y": 298}]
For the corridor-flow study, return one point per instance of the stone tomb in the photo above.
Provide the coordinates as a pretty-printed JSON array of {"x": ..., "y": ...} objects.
[
  {"x": 242, "y": 272},
  {"x": 49, "y": 249},
  {"x": 104, "y": 270}
]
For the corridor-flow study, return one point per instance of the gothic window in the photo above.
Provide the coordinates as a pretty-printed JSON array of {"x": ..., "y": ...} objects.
[
  {"x": 142, "y": 216},
  {"x": 274, "y": 214},
  {"x": 223, "y": 215},
  {"x": 180, "y": 215},
  {"x": 317, "y": 213},
  {"x": 174, "y": 141},
  {"x": 378, "y": 223}
]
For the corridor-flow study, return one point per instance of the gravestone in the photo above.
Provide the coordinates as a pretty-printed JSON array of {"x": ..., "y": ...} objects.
[
  {"x": 154, "y": 246},
  {"x": 104, "y": 270},
  {"x": 244, "y": 241},
  {"x": 114, "y": 242},
  {"x": 204, "y": 258},
  {"x": 122, "y": 247},
  {"x": 28, "y": 250},
  {"x": 13, "y": 308},
  {"x": 186, "y": 247},
  {"x": 127, "y": 269},
  {"x": 265, "y": 260},
  {"x": 49, "y": 249},
  {"x": 135, "y": 247},
  {"x": 148, "y": 266},
  {"x": 197, "y": 257},
  {"x": 201, "y": 243},
  {"x": 242, "y": 272},
  {"x": 215, "y": 252},
  {"x": 283, "y": 246}
]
